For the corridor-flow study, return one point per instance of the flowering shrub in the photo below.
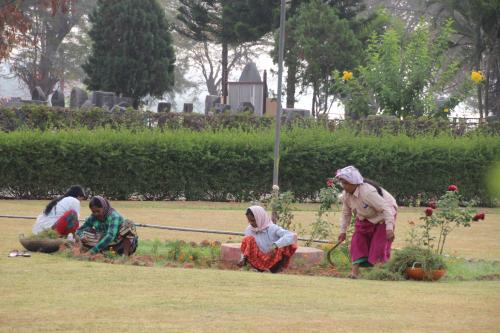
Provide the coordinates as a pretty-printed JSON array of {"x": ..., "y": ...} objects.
[
  {"x": 477, "y": 77},
  {"x": 443, "y": 217},
  {"x": 346, "y": 75},
  {"x": 321, "y": 228},
  {"x": 328, "y": 196},
  {"x": 280, "y": 204}
]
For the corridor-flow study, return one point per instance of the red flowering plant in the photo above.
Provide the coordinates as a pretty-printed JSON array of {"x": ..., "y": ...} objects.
[
  {"x": 442, "y": 217},
  {"x": 321, "y": 228}
]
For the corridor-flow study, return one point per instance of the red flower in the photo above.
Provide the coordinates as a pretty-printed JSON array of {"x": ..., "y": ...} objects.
[
  {"x": 478, "y": 216},
  {"x": 453, "y": 188},
  {"x": 432, "y": 204},
  {"x": 329, "y": 182},
  {"x": 428, "y": 211}
]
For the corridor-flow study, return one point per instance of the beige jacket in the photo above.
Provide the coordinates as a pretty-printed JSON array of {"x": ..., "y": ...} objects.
[{"x": 366, "y": 203}]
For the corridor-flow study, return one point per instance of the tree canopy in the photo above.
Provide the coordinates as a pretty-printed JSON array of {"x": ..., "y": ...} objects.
[{"x": 132, "y": 52}]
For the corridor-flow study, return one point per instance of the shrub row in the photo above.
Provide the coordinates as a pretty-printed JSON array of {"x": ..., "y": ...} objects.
[
  {"x": 47, "y": 118},
  {"x": 235, "y": 164}
]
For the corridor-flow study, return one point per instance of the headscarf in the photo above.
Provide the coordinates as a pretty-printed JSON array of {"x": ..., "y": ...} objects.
[
  {"x": 261, "y": 218},
  {"x": 105, "y": 205},
  {"x": 350, "y": 174}
]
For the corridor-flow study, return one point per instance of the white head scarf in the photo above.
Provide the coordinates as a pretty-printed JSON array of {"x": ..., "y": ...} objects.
[
  {"x": 350, "y": 174},
  {"x": 261, "y": 218}
]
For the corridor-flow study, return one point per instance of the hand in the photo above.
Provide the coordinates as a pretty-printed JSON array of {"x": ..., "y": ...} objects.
[
  {"x": 273, "y": 251},
  {"x": 389, "y": 235},
  {"x": 342, "y": 237}
]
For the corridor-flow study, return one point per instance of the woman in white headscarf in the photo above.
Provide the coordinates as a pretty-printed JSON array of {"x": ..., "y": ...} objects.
[
  {"x": 375, "y": 211},
  {"x": 266, "y": 246}
]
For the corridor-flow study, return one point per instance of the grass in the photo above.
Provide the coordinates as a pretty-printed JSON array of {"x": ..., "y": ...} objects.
[{"x": 47, "y": 293}]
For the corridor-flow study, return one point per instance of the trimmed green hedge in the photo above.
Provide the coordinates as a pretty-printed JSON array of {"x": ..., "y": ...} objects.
[
  {"x": 41, "y": 117},
  {"x": 236, "y": 164}
]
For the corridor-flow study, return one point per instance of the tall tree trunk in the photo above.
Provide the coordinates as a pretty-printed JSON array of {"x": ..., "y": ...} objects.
[
  {"x": 224, "y": 72},
  {"x": 479, "y": 56},
  {"x": 291, "y": 62},
  {"x": 313, "y": 106},
  {"x": 480, "y": 102},
  {"x": 326, "y": 95},
  {"x": 291, "y": 80}
]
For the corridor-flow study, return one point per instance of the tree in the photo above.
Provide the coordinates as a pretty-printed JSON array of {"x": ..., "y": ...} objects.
[
  {"x": 477, "y": 26},
  {"x": 226, "y": 22},
  {"x": 205, "y": 58},
  {"x": 322, "y": 47},
  {"x": 345, "y": 9},
  {"x": 132, "y": 53},
  {"x": 39, "y": 58},
  {"x": 13, "y": 25},
  {"x": 407, "y": 74}
]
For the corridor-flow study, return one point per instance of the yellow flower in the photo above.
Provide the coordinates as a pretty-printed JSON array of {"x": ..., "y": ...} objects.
[
  {"x": 446, "y": 110},
  {"x": 191, "y": 258},
  {"x": 346, "y": 75},
  {"x": 477, "y": 77}
]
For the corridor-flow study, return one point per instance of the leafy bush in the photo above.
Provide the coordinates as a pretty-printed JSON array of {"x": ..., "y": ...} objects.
[
  {"x": 236, "y": 164},
  {"x": 448, "y": 216},
  {"x": 408, "y": 256},
  {"x": 41, "y": 117}
]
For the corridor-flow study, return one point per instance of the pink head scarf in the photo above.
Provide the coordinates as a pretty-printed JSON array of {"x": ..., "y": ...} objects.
[
  {"x": 350, "y": 174},
  {"x": 261, "y": 218}
]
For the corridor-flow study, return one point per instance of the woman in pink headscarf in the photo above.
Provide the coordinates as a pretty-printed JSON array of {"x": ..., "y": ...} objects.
[
  {"x": 375, "y": 211},
  {"x": 266, "y": 246}
]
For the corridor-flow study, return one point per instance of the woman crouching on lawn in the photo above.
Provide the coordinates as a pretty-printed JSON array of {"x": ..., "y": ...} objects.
[
  {"x": 106, "y": 229},
  {"x": 61, "y": 214},
  {"x": 375, "y": 211},
  {"x": 266, "y": 246}
]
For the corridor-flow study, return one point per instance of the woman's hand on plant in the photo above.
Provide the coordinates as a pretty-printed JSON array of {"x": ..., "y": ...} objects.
[
  {"x": 342, "y": 237},
  {"x": 389, "y": 235}
]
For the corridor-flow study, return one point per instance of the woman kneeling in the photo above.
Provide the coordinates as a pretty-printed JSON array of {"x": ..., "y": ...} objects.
[
  {"x": 266, "y": 246},
  {"x": 106, "y": 229}
]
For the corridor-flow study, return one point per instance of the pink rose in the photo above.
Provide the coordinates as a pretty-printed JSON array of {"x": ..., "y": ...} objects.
[
  {"x": 453, "y": 188},
  {"x": 329, "y": 182}
]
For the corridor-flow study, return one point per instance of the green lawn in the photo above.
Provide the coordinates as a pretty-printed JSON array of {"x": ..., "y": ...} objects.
[{"x": 48, "y": 293}]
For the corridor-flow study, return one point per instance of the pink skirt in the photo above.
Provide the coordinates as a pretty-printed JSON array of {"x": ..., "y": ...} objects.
[{"x": 369, "y": 242}]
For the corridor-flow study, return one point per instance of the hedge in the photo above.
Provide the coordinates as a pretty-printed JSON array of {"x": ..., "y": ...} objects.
[
  {"x": 236, "y": 164},
  {"x": 40, "y": 117}
]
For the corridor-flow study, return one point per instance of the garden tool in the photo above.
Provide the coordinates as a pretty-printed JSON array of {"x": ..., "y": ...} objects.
[{"x": 329, "y": 253}]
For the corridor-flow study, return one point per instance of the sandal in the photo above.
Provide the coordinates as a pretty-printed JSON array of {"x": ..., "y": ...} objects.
[{"x": 16, "y": 253}]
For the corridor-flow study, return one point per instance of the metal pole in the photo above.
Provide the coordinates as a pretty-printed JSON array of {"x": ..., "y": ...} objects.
[
  {"x": 281, "y": 51},
  {"x": 165, "y": 227}
]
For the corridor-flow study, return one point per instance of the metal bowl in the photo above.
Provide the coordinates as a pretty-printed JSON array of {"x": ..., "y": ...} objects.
[{"x": 45, "y": 245}]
